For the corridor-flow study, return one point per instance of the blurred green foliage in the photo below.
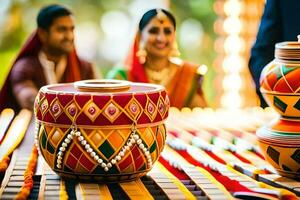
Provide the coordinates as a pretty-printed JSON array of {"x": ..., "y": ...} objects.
[{"x": 6, "y": 58}]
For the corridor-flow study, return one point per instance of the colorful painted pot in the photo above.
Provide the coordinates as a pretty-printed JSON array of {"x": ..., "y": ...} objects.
[
  {"x": 103, "y": 130},
  {"x": 279, "y": 81},
  {"x": 281, "y": 150},
  {"x": 280, "y": 86}
]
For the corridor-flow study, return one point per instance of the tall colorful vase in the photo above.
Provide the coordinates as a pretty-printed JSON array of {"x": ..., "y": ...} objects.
[
  {"x": 280, "y": 86},
  {"x": 101, "y": 130}
]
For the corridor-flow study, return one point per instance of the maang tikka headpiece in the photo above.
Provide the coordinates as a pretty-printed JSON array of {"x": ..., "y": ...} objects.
[{"x": 160, "y": 15}]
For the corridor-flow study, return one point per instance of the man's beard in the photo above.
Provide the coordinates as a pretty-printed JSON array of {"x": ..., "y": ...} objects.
[{"x": 55, "y": 51}]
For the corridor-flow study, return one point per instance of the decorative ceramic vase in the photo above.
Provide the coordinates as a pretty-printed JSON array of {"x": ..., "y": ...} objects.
[
  {"x": 103, "y": 130},
  {"x": 280, "y": 86}
]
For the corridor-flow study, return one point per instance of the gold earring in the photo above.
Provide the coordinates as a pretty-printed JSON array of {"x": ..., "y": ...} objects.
[
  {"x": 174, "y": 52},
  {"x": 141, "y": 53}
]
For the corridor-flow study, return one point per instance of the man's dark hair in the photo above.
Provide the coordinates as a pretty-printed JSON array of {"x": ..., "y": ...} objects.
[
  {"x": 152, "y": 13},
  {"x": 49, "y": 13}
]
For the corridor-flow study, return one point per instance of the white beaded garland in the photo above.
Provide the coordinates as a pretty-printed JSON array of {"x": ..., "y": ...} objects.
[
  {"x": 118, "y": 158},
  {"x": 67, "y": 140},
  {"x": 93, "y": 154},
  {"x": 77, "y": 133},
  {"x": 89, "y": 150},
  {"x": 134, "y": 138}
]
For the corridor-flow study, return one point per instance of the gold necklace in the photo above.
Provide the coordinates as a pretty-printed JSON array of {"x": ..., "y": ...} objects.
[{"x": 161, "y": 77}]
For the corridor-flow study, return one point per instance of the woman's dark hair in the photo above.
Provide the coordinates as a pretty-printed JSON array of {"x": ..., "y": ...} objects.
[
  {"x": 49, "y": 13},
  {"x": 152, "y": 13}
]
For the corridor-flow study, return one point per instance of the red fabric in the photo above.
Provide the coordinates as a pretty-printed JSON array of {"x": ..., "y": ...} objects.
[
  {"x": 241, "y": 158},
  {"x": 229, "y": 184},
  {"x": 259, "y": 155},
  {"x": 174, "y": 133},
  {"x": 31, "y": 48},
  {"x": 176, "y": 172},
  {"x": 73, "y": 68},
  {"x": 136, "y": 72},
  {"x": 214, "y": 132},
  {"x": 215, "y": 157},
  {"x": 194, "y": 132}
]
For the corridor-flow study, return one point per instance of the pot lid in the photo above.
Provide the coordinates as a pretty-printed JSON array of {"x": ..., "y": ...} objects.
[
  {"x": 102, "y": 87},
  {"x": 288, "y": 50}
]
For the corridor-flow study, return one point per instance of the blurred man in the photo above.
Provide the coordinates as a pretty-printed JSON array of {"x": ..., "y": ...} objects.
[
  {"x": 280, "y": 22},
  {"x": 47, "y": 57}
]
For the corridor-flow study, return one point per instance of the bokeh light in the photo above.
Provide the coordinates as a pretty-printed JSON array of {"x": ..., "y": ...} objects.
[{"x": 191, "y": 33}]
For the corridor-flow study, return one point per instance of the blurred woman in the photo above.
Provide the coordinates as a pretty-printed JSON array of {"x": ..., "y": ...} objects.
[{"x": 153, "y": 59}]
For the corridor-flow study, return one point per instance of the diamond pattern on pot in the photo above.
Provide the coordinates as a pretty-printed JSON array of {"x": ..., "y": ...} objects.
[
  {"x": 134, "y": 109},
  {"x": 44, "y": 106},
  {"x": 71, "y": 162},
  {"x": 111, "y": 111},
  {"x": 116, "y": 140},
  {"x": 36, "y": 102},
  {"x": 56, "y": 136},
  {"x": 75, "y": 150},
  {"x": 107, "y": 152},
  {"x": 96, "y": 137},
  {"x": 138, "y": 157},
  {"x": 160, "y": 137},
  {"x": 106, "y": 149},
  {"x": 148, "y": 136},
  {"x": 150, "y": 109},
  {"x": 161, "y": 107},
  {"x": 91, "y": 110},
  {"x": 86, "y": 162},
  {"x": 56, "y": 109},
  {"x": 126, "y": 163},
  {"x": 71, "y": 110}
]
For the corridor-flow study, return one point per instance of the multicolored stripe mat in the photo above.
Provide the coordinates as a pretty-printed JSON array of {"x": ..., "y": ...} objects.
[{"x": 209, "y": 154}]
